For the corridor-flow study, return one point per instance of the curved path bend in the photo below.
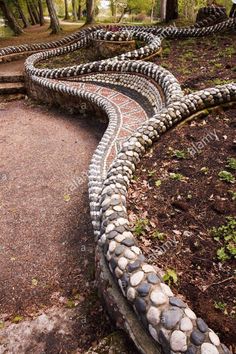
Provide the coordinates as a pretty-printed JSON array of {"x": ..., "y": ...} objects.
[{"x": 141, "y": 101}]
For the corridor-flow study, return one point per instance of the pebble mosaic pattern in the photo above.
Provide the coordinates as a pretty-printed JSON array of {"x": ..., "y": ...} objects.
[{"x": 131, "y": 131}]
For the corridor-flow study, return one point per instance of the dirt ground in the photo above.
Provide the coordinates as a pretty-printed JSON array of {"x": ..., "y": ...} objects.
[
  {"x": 178, "y": 197},
  {"x": 46, "y": 239},
  {"x": 37, "y": 34},
  {"x": 201, "y": 62}
]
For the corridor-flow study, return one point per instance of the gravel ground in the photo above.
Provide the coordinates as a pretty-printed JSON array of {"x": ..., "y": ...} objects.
[{"x": 46, "y": 239}]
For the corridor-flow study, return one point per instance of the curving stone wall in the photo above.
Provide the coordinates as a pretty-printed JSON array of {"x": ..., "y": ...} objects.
[{"x": 141, "y": 101}]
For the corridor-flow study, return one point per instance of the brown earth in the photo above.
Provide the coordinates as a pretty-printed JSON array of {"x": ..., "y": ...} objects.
[
  {"x": 46, "y": 239},
  {"x": 184, "y": 212},
  {"x": 201, "y": 62},
  {"x": 38, "y": 34}
]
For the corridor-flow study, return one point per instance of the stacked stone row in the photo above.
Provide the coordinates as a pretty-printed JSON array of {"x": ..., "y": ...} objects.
[
  {"x": 167, "y": 317},
  {"x": 161, "y": 76},
  {"x": 209, "y": 15},
  {"x": 74, "y": 37},
  {"x": 153, "y": 46},
  {"x": 169, "y": 32},
  {"x": 138, "y": 84},
  {"x": 96, "y": 168}
]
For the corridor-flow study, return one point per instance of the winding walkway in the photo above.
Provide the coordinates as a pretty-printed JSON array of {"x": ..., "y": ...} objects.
[
  {"x": 154, "y": 104},
  {"x": 46, "y": 244}
]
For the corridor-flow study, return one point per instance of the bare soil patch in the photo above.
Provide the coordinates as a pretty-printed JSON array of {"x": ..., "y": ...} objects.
[
  {"x": 201, "y": 62},
  {"x": 176, "y": 199},
  {"x": 46, "y": 238}
]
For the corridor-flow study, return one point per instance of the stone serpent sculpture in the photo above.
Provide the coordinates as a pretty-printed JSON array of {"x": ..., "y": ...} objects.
[{"x": 141, "y": 101}]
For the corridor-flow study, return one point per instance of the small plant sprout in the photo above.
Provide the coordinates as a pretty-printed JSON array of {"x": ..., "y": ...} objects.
[
  {"x": 233, "y": 195},
  {"x": 204, "y": 170},
  {"x": 70, "y": 304},
  {"x": 159, "y": 235},
  {"x": 140, "y": 226},
  {"x": 221, "y": 255},
  {"x": 219, "y": 305},
  {"x": 17, "y": 319},
  {"x": 158, "y": 183},
  {"x": 226, "y": 176},
  {"x": 151, "y": 173},
  {"x": 179, "y": 154},
  {"x": 177, "y": 176},
  {"x": 231, "y": 163},
  {"x": 170, "y": 276}
]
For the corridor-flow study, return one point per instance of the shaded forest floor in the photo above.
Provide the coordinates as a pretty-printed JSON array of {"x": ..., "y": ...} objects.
[{"x": 37, "y": 34}]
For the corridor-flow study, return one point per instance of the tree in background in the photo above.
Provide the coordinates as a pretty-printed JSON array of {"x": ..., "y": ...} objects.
[
  {"x": 66, "y": 10},
  {"x": 21, "y": 14},
  {"x": 54, "y": 22},
  {"x": 171, "y": 10},
  {"x": 90, "y": 10},
  {"x": 32, "y": 18},
  {"x": 81, "y": 4},
  {"x": 132, "y": 7},
  {"x": 74, "y": 10},
  {"x": 9, "y": 16},
  {"x": 41, "y": 17}
]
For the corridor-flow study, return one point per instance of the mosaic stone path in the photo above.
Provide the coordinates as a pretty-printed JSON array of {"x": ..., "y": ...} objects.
[
  {"x": 141, "y": 102},
  {"x": 132, "y": 115}
]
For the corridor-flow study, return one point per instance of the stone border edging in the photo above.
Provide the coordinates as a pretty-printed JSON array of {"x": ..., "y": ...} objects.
[{"x": 169, "y": 321}]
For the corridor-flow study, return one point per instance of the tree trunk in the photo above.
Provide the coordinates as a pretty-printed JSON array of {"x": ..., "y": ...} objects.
[
  {"x": 74, "y": 11},
  {"x": 66, "y": 10},
  {"x": 152, "y": 11},
  {"x": 35, "y": 11},
  {"x": 22, "y": 15},
  {"x": 163, "y": 10},
  {"x": 90, "y": 7},
  {"x": 11, "y": 20},
  {"x": 32, "y": 19},
  {"x": 41, "y": 17},
  {"x": 55, "y": 25},
  {"x": 79, "y": 10},
  {"x": 112, "y": 5},
  {"x": 121, "y": 16},
  {"x": 171, "y": 10}
]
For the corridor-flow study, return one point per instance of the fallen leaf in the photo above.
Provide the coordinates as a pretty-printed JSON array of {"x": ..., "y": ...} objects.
[
  {"x": 66, "y": 197},
  {"x": 34, "y": 282}
]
